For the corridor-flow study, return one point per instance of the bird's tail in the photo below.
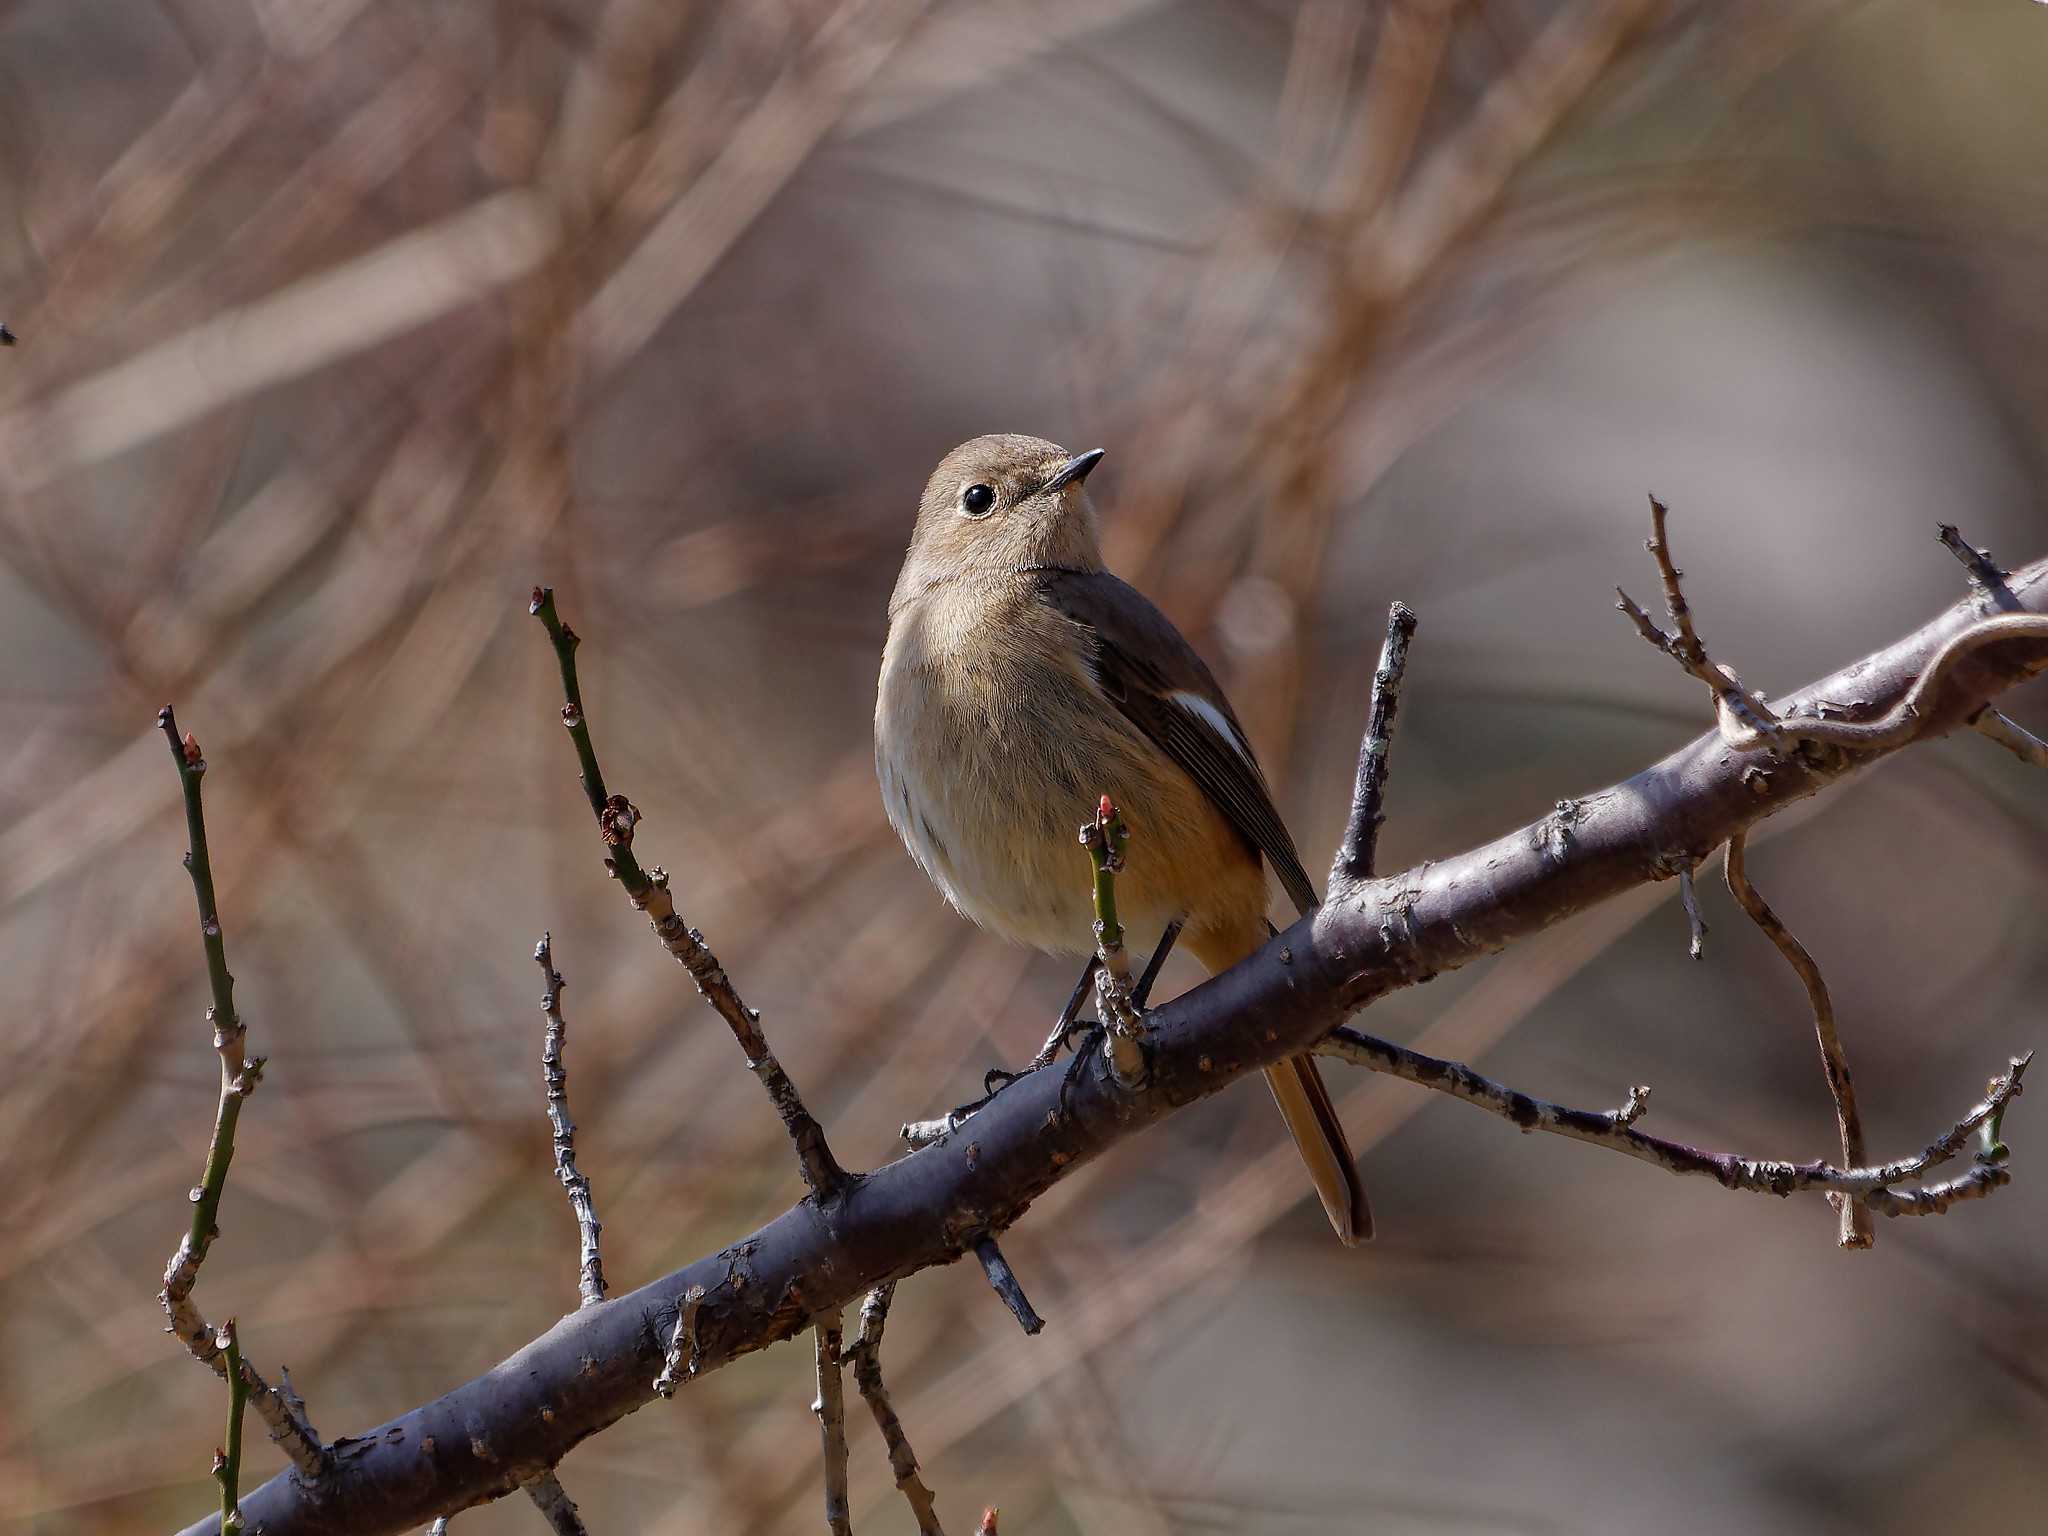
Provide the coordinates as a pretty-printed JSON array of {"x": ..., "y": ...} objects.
[
  {"x": 1319, "y": 1136},
  {"x": 1304, "y": 1102}
]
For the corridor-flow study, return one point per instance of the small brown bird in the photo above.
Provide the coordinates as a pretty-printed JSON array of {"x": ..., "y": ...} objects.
[{"x": 1021, "y": 682}]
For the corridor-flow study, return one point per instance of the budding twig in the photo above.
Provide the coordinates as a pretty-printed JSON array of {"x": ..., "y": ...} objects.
[
  {"x": 1871, "y": 1186},
  {"x": 1356, "y": 854},
  {"x": 1856, "y": 1231},
  {"x": 227, "y": 1465},
  {"x": 281, "y": 1411},
  {"x": 1123, "y": 1030},
  {"x": 617, "y": 819},
  {"x": 590, "y": 1265},
  {"x": 830, "y": 1407},
  {"x": 866, "y": 1356}
]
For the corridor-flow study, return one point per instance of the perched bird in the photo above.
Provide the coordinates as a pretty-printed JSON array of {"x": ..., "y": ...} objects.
[{"x": 1021, "y": 681}]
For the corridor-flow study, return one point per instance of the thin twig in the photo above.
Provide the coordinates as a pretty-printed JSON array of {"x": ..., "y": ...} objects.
[
  {"x": 553, "y": 1501},
  {"x": 1683, "y": 644},
  {"x": 679, "y": 1363},
  {"x": 1856, "y": 1231},
  {"x": 1356, "y": 854},
  {"x": 1987, "y": 577},
  {"x": 565, "y": 641},
  {"x": 282, "y": 1412},
  {"x": 1872, "y": 1186},
  {"x": 1004, "y": 1280},
  {"x": 866, "y": 1356},
  {"x": 590, "y": 1266},
  {"x": 1123, "y": 1030},
  {"x": 227, "y": 1463},
  {"x": 2011, "y": 735},
  {"x": 1985, "y": 574},
  {"x": 1746, "y": 721},
  {"x": 1695, "y": 923},
  {"x": 830, "y": 1407},
  {"x": 581, "y": 1375},
  {"x": 617, "y": 818}
]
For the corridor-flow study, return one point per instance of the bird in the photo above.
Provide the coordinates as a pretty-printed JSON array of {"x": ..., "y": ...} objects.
[{"x": 1020, "y": 682}]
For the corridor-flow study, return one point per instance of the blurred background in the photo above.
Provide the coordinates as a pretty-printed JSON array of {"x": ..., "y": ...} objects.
[{"x": 345, "y": 321}]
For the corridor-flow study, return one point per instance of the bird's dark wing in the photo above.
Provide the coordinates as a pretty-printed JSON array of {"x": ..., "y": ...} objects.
[{"x": 1163, "y": 688}]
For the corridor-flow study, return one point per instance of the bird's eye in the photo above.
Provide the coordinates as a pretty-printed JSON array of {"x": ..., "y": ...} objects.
[{"x": 976, "y": 500}]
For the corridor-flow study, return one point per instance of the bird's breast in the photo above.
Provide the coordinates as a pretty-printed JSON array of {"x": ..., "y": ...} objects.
[{"x": 993, "y": 744}]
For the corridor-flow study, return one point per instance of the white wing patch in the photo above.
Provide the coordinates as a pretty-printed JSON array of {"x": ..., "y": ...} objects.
[{"x": 1217, "y": 722}]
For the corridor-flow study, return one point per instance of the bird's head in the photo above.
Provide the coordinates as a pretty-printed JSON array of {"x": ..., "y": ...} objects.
[{"x": 999, "y": 504}]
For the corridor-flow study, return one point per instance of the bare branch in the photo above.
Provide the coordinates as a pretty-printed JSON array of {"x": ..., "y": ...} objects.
[
  {"x": 1746, "y": 721},
  {"x": 1984, "y": 572},
  {"x": 1355, "y": 855},
  {"x": 1004, "y": 1280},
  {"x": 1695, "y": 923},
  {"x": 617, "y": 819},
  {"x": 1738, "y": 708},
  {"x": 866, "y": 1356},
  {"x": 830, "y": 1407},
  {"x": 1857, "y": 1231},
  {"x": 1987, "y": 578},
  {"x": 590, "y": 1265},
  {"x": 1870, "y": 1186},
  {"x": 598, "y": 1364},
  {"x": 2014, "y": 737},
  {"x": 281, "y": 1411},
  {"x": 553, "y": 1501}
]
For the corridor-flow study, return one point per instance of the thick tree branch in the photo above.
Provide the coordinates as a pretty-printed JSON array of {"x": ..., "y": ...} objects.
[{"x": 482, "y": 1438}]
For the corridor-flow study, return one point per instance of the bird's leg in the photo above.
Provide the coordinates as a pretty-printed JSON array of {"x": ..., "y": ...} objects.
[
  {"x": 1143, "y": 989},
  {"x": 1068, "y": 1024},
  {"x": 1063, "y": 1026},
  {"x": 1139, "y": 994}
]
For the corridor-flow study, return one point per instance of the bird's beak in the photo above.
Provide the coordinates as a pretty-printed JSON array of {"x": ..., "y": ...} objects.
[{"x": 1075, "y": 470}]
